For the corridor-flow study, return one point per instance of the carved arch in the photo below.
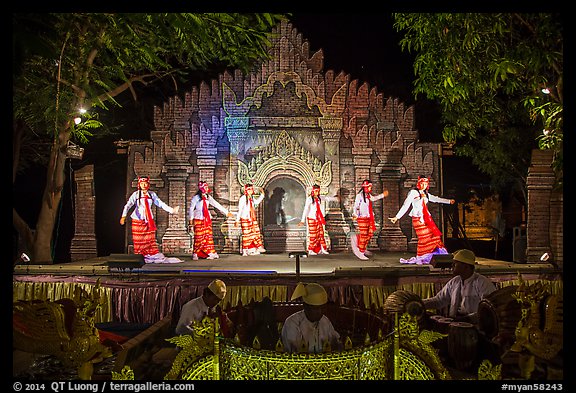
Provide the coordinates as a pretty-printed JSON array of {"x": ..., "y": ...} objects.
[{"x": 287, "y": 155}]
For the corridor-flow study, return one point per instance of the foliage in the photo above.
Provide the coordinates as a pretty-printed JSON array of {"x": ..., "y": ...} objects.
[
  {"x": 67, "y": 61},
  {"x": 65, "y": 64},
  {"x": 487, "y": 72}
]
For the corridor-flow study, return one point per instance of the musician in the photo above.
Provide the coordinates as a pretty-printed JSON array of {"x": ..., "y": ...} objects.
[
  {"x": 204, "y": 305},
  {"x": 464, "y": 291},
  {"x": 310, "y": 330}
]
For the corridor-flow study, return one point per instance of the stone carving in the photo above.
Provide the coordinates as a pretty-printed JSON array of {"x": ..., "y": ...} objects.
[
  {"x": 288, "y": 119},
  {"x": 288, "y": 155}
]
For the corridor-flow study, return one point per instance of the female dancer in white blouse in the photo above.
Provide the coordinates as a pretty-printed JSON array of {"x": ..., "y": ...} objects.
[
  {"x": 143, "y": 224},
  {"x": 314, "y": 216},
  {"x": 429, "y": 236},
  {"x": 200, "y": 221},
  {"x": 246, "y": 217},
  {"x": 363, "y": 214}
]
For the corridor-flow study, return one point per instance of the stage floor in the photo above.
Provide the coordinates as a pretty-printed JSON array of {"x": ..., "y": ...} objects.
[{"x": 341, "y": 264}]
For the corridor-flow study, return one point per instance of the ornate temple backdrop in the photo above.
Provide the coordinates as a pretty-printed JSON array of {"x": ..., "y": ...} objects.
[{"x": 284, "y": 127}]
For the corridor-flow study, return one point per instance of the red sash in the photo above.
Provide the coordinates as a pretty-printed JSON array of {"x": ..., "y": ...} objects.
[
  {"x": 205, "y": 212},
  {"x": 429, "y": 221},
  {"x": 252, "y": 212},
  {"x": 372, "y": 222},
  {"x": 319, "y": 215},
  {"x": 149, "y": 219}
]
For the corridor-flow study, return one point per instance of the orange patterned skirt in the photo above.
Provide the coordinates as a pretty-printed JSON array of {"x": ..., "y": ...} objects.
[
  {"x": 251, "y": 237},
  {"x": 427, "y": 241},
  {"x": 143, "y": 239},
  {"x": 365, "y": 233},
  {"x": 316, "y": 239},
  {"x": 203, "y": 239}
]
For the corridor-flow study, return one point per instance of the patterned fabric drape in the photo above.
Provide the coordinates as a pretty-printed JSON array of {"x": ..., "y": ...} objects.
[{"x": 152, "y": 300}]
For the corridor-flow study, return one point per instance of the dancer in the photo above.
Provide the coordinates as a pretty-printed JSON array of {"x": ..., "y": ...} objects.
[
  {"x": 143, "y": 225},
  {"x": 314, "y": 215},
  {"x": 200, "y": 221},
  {"x": 251, "y": 237},
  {"x": 429, "y": 236},
  {"x": 363, "y": 214}
]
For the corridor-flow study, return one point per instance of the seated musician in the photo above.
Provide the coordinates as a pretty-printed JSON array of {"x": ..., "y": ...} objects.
[
  {"x": 464, "y": 291},
  {"x": 309, "y": 330}
]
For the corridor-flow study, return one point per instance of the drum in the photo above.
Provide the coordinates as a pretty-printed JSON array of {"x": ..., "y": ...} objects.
[
  {"x": 443, "y": 324},
  {"x": 499, "y": 314},
  {"x": 462, "y": 344},
  {"x": 402, "y": 301},
  {"x": 434, "y": 324},
  {"x": 440, "y": 324}
]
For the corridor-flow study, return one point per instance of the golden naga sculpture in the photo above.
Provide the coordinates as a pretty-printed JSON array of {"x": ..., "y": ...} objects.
[
  {"x": 194, "y": 347},
  {"x": 487, "y": 371},
  {"x": 539, "y": 333},
  {"x": 415, "y": 348},
  {"x": 64, "y": 328}
]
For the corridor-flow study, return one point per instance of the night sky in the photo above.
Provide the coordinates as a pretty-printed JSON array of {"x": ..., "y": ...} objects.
[{"x": 362, "y": 45}]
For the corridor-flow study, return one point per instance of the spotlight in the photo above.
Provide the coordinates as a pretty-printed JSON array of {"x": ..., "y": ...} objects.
[
  {"x": 25, "y": 257},
  {"x": 77, "y": 120},
  {"x": 545, "y": 257},
  {"x": 546, "y": 90}
]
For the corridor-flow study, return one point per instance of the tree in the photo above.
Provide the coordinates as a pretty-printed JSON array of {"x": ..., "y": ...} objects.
[
  {"x": 67, "y": 63},
  {"x": 488, "y": 72}
]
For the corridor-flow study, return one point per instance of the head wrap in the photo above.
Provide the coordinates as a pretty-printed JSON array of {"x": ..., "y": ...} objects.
[
  {"x": 218, "y": 288},
  {"x": 366, "y": 183},
  {"x": 203, "y": 186},
  {"x": 248, "y": 186},
  {"x": 144, "y": 179},
  {"x": 465, "y": 256},
  {"x": 421, "y": 182},
  {"x": 315, "y": 187},
  {"x": 312, "y": 294}
]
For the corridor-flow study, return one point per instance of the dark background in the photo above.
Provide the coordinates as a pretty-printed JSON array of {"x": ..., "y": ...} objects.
[{"x": 365, "y": 46}]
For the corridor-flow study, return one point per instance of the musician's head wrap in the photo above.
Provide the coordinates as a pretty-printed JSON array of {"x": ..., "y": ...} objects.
[
  {"x": 218, "y": 288},
  {"x": 465, "y": 256},
  {"x": 312, "y": 294}
]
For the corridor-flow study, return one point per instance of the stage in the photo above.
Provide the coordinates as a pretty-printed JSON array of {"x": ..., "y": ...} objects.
[
  {"x": 148, "y": 293},
  {"x": 343, "y": 264}
]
